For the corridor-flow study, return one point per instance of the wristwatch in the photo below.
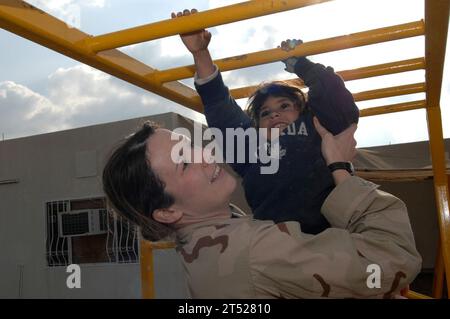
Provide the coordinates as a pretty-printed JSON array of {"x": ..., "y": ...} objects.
[{"x": 348, "y": 166}]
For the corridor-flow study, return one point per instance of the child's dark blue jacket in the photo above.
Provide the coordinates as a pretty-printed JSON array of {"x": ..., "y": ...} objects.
[{"x": 303, "y": 181}]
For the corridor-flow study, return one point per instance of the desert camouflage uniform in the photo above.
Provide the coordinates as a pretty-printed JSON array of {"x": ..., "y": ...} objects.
[{"x": 246, "y": 258}]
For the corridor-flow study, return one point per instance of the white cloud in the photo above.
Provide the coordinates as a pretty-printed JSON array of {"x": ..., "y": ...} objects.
[
  {"x": 25, "y": 112},
  {"x": 68, "y": 11},
  {"x": 77, "y": 96},
  {"x": 61, "y": 5},
  {"x": 160, "y": 54}
]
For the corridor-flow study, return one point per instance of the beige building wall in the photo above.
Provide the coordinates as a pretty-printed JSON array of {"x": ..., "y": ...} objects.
[{"x": 59, "y": 166}]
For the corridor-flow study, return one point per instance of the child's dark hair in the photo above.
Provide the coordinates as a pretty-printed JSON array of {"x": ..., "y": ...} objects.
[
  {"x": 132, "y": 187},
  {"x": 289, "y": 90}
]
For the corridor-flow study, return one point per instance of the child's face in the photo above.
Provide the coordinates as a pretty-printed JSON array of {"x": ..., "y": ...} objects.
[{"x": 278, "y": 112}]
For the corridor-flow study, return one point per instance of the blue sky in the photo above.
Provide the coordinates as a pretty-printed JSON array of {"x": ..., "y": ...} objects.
[{"x": 42, "y": 91}]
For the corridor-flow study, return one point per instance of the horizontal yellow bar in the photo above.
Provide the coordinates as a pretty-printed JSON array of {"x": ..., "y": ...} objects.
[
  {"x": 348, "y": 75},
  {"x": 396, "y": 175},
  {"x": 31, "y": 23},
  {"x": 389, "y": 92},
  {"x": 391, "y": 33},
  {"x": 163, "y": 245},
  {"x": 383, "y": 69},
  {"x": 392, "y": 108},
  {"x": 214, "y": 17},
  {"x": 400, "y": 107},
  {"x": 415, "y": 295},
  {"x": 361, "y": 96}
]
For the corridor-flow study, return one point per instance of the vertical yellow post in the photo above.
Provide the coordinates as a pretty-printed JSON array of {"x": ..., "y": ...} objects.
[
  {"x": 436, "y": 28},
  {"x": 147, "y": 272},
  {"x": 442, "y": 197},
  {"x": 438, "y": 280}
]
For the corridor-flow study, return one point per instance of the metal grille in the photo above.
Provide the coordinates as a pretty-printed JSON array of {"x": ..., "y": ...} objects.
[
  {"x": 57, "y": 247},
  {"x": 122, "y": 240},
  {"x": 103, "y": 219},
  {"x": 121, "y": 237},
  {"x": 75, "y": 223}
]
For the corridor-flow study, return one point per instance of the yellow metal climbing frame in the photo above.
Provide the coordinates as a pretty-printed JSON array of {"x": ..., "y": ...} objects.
[{"x": 101, "y": 52}]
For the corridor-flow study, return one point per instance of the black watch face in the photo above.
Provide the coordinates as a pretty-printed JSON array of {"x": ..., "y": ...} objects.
[{"x": 348, "y": 166}]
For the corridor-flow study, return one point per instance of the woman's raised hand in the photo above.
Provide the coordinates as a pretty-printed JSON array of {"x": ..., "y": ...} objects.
[{"x": 337, "y": 148}]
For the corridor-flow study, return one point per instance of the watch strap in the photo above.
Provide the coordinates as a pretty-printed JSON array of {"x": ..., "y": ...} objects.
[{"x": 348, "y": 166}]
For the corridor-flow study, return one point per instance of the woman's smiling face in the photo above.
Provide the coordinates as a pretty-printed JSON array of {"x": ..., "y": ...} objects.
[{"x": 197, "y": 187}]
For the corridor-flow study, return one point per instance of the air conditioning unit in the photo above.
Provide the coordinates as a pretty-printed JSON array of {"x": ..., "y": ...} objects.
[{"x": 82, "y": 222}]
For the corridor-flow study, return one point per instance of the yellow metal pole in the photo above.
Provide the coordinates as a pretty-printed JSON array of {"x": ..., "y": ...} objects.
[
  {"x": 348, "y": 75},
  {"x": 147, "y": 266},
  {"x": 400, "y": 107},
  {"x": 436, "y": 28},
  {"x": 389, "y": 92},
  {"x": 209, "y": 18},
  {"x": 29, "y": 22},
  {"x": 163, "y": 244},
  {"x": 415, "y": 295},
  {"x": 436, "y": 18},
  {"x": 147, "y": 271},
  {"x": 440, "y": 186},
  {"x": 439, "y": 274},
  {"x": 392, "y": 108},
  {"x": 363, "y": 96},
  {"x": 391, "y": 33},
  {"x": 383, "y": 69}
]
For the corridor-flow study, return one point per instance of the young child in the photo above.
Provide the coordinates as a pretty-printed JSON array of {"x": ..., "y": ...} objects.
[{"x": 298, "y": 189}]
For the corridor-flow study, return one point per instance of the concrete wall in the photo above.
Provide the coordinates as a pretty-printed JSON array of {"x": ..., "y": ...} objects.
[
  {"x": 46, "y": 167},
  {"x": 420, "y": 200}
]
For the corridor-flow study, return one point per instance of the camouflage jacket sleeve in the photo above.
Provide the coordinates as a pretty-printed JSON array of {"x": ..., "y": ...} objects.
[{"x": 368, "y": 252}]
